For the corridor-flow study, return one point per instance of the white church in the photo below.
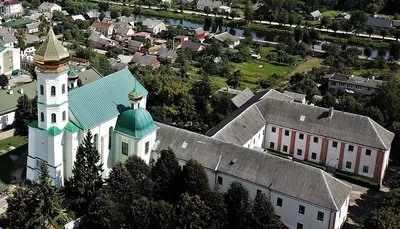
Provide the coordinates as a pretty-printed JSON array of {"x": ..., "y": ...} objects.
[{"x": 112, "y": 108}]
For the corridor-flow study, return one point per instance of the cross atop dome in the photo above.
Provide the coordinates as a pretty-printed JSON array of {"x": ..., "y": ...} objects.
[{"x": 52, "y": 56}]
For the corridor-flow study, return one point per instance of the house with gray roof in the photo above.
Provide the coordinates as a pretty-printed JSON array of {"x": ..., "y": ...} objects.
[
  {"x": 339, "y": 140},
  {"x": 32, "y": 27},
  {"x": 286, "y": 183},
  {"x": 242, "y": 97},
  {"x": 135, "y": 45},
  {"x": 144, "y": 59},
  {"x": 314, "y": 16},
  {"x": 167, "y": 54},
  {"x": 352, "y": 84},
  {"x": 201, "y": 4},
  {"x": 379, "y": 22},
  {"x": 227, "y": 37},
  {"x": 153, "y": 26}
]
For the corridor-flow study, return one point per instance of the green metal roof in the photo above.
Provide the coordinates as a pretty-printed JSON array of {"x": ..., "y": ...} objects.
[
  {"x": 2, "y": 48},
  {"x": 71, "y": 127},
  {"x": 72, "y": 72},
  {"x": 8, "y": 103},
  {"x": 103, "y": 99},
  {"x": 54, "y": 131},
  {"x": 18, "y": 23},
  {"x": 137, "y": 123}
]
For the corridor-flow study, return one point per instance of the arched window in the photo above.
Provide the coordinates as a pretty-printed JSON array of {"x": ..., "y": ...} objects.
[
  {"x": 42, "y": 117},
  {"x": 53, "y": 91},
  {"x": 110, "y": 130},
  {"x": 63, "y": 88},
  {"x": 53, "y": 118},
  {"x": 41, "y": 90},
  {"x": 63, "y": 116},
  {"x": 95, "y": 138}
]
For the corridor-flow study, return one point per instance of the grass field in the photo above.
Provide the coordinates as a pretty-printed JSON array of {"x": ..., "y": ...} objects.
[
  {"x": 252, "y": 72},
  {"x": 15, "y": 141},
  {"x": 308, "y": 65},
  {"x": 331, "y": 13}
]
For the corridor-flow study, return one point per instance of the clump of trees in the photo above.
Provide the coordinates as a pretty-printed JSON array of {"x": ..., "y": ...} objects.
[
  {"x": 167, "y": 196},
  {"x": 25, "y": 113}
]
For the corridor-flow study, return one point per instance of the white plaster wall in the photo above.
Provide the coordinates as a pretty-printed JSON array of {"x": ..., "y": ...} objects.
[
  {"x": 270, "y": 136},
  {"x": 47, "y": 111},
  {"x": 151, "y": 138},
  {"x": 349, "y": 156},
  {"x": 228, "y": 179},
  {"x": 290, "y": 216},
  {"x": 256, "y": 140},
  {"x": 6, "y": 119},
  {"x": 385, "y": 163},
  {"x": 341, "y": 215},
  {"x": 315, "y": 148},
  {"x": 49, "y": 80},
  {"x": 367, "y": 161},
  {"x": 333, "y": 154},
  {"x": 300, "y": 144},
  {"x": 286, "y": 140}
]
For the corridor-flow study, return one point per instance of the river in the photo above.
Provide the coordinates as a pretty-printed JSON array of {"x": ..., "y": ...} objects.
[{"x": 256, "y": 35}]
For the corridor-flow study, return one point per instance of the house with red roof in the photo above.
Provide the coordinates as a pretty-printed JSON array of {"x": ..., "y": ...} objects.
[{"x": 11, "y": 7}]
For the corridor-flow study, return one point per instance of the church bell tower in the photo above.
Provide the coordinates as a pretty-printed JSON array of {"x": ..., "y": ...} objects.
[{"x": 52, "y": 72}]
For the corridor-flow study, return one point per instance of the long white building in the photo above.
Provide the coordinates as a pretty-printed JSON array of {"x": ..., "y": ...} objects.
[
  {"x": 345, "y": 141},
  {"x": 113, "y": 108}
]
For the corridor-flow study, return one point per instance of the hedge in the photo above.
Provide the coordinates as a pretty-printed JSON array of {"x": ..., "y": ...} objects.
[
  {"x": 314, "y": 165},
  {"x": 365, "y": 182}
]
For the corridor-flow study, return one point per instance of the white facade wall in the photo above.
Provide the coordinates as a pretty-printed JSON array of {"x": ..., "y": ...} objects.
[
  {"x": 369, "y": 161},
  {"x": 349, "y": 156},
  {"x": 285, "y": 139},
  {"x": 300, "y": 145},
  {"x": 333, "y": 153},
  {"x": 35, "y": 30},
  {"x": 256, "y": 140},
  {"x": 315, "y": 147},
  {"x": 341, "y": 215},
  {"x": 228, "y": 179},
  {"x": 13, "y": 9},
  {"x": 6, "y": 119},
  {"x": 290, "y": 216},
  {"x": 271, "y": 136},
  {"x": 48, "y": 111}
]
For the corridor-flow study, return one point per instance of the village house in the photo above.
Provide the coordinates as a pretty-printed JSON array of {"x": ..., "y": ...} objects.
[
  {"x": 199, "y": 33},
  {"x": 49, "y": 7},
  {"x": 99, "y": 40},
  {"x": 10, "y": 8},
  {"x": 143, "y": 59},
  {"x": 32, "y": 27},
  {"x": 352, "y": 84},
  {"x": 135, "y": 45},
  {"x": 314, "y": 16},
  {"x": 227, "y": 37},
  {"x": 167, "y": 54},
  {"x": 201, "y": 4},
  {"x": 106, "y": 29},
  {"x": 194, "y": 46},
  {"x": 379, "y": 21},
  {"x": 181, "y": 38},
  {"x": 339, "y": 140},
  {"x": 153, "y": 26}
]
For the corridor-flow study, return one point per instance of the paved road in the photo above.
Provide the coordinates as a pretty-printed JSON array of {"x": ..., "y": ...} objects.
[{"x": 389, "y": 38}]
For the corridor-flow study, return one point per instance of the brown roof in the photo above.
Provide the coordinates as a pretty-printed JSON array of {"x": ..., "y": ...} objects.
[
  {"x": 101, "y": 25},
  {"x": 195, "y": 46}
]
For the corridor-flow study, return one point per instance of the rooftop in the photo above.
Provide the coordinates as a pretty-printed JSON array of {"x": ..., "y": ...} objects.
[{"x": 354, "y": 80}]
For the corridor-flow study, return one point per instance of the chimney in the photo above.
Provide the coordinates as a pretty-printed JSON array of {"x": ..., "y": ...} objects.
[
  {"x": 21, "y": 91},
  {"x": 10, "y": 92},
  {"x": 330, "y": 112}
]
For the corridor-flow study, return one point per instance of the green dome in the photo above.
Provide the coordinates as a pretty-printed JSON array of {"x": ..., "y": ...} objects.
[
  {"x": 136, "y": 123},
  {"x": 134, "y": 95},
  {"x": 72, "y": 72}
]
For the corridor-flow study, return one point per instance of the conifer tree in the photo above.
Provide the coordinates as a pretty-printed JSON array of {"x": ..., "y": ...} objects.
[
  {"x": 263, "y": 214},
  {"x": 86, "y": 176},
  {"x": 238, "y": 205},
  {"x": 23, "y": 115}
]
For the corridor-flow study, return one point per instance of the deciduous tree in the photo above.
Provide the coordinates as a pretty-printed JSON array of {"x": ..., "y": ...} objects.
[{"x": 23, "y": 115}]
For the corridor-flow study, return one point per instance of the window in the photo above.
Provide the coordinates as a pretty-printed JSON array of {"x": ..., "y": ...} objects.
[
  {"x": 259, "y": 136},
  {"x": 273, "y": 129},
  {"x": 314, "y": 156},
  {"x": 147, "y": 146},
  {"x": 63, "y": 116},
  {"x": 299, "y": 152},
  {"x": 53, "y": 91},
  {"x": 301, "y": 136},
  {"x": 53, "y": 118},
  {"x": 286, "y": 132},
  {"x": 259, "y": 192},
  {"x": 299, "y": 226},
  {"x": 125, "y": 148},
  {"x": 302, "y": 209},
  {"x": 254, "y": 141},
  {"x": 220, "y": 180},
  {"x": 284, "y": 148},
  {"x": 333, "y": 83},
  {"x": 351, "y": 148},
  {"x": 315, "y": 140},
  {"x": 42, "y": 117},
  {"x": 334, "y": 144},
  {"x": 41, "y": 90},
  {"x": 365, "y": 169},
  {"x": 110, "y": 130},
  {"x": 63, "y": 88},
  {"x": 320, "y": 216},
  {"x": 368, "y": 152},
  {"x": 95, "y": 141},
  {"x": 279, "y": 202},
  {"x": 271, "y": 145},
  {"x": 348, "y": 164}
]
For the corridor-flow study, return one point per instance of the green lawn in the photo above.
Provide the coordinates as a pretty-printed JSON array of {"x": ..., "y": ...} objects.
[
  {"x": 252, "y": 72},
  {"x": 15, "y": 141},
  {"x": 308, "y": 65},
  {"x": 331, "y": 13}
]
